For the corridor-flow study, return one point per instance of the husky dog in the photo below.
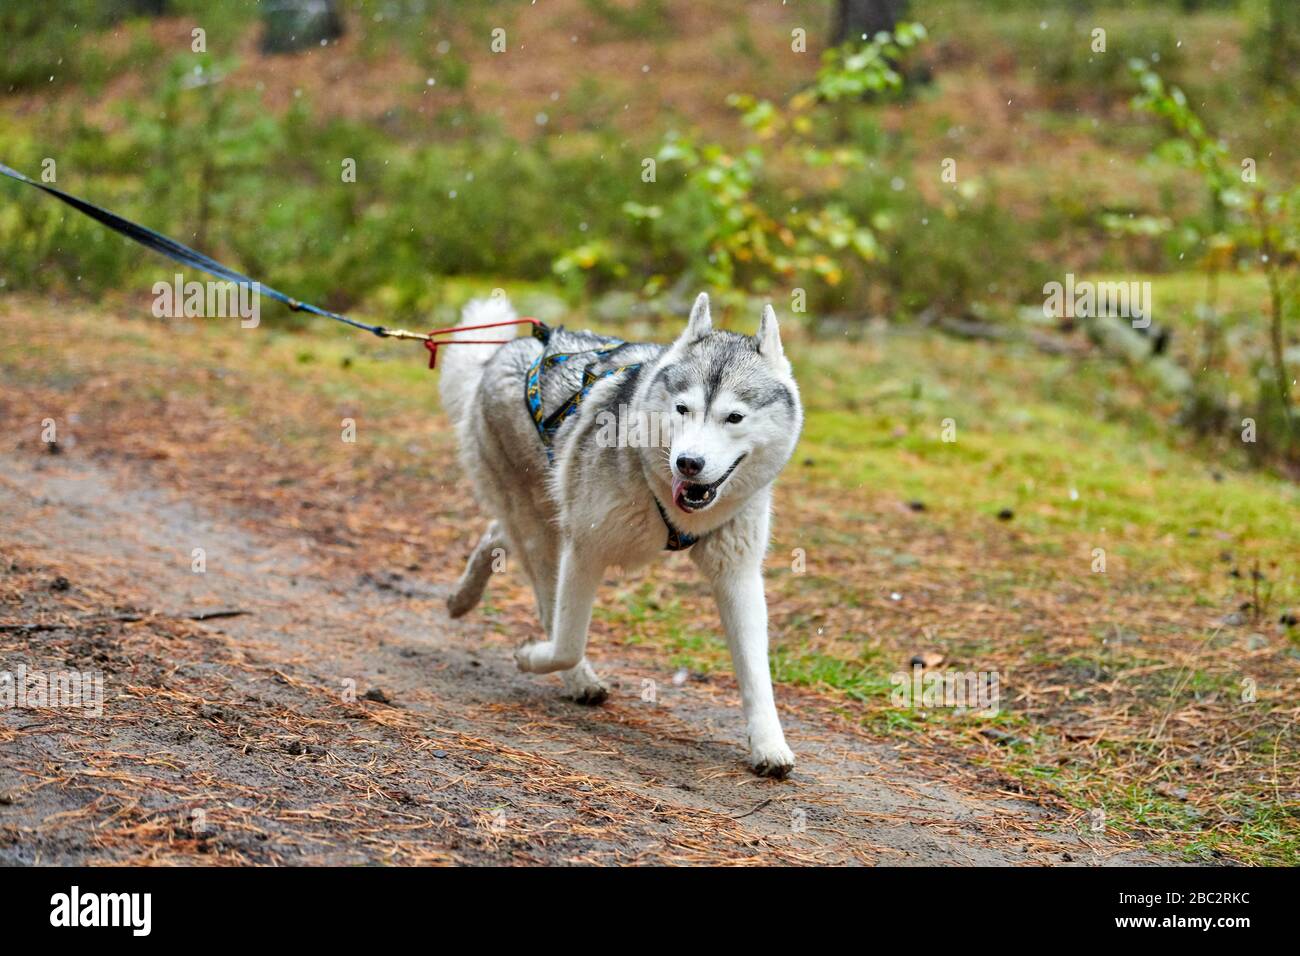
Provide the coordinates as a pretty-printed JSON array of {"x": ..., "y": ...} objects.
[{"x": 572, "y": 495}]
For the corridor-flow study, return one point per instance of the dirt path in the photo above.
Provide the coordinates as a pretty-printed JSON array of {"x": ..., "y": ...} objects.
[{"x": 235, "y": 739}]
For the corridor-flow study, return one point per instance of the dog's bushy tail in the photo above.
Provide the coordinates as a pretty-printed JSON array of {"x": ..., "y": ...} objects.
[{"x": 462, "y": 365}]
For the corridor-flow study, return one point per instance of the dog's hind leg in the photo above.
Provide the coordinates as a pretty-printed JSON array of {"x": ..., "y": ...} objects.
[{"x": 469, "y": 589}]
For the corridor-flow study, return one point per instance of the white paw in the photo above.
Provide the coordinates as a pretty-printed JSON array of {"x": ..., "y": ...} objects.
[
  {"x": 771, "y": 760},
  {"x": 589, "y": 694},
  {"x": 537, "y": 658},
  {"x": 583, "y": 686}
]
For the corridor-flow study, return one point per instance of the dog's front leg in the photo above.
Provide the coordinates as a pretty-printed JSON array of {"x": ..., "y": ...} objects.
[
  {"x": 742, "y": 605},
  {"x": 576, "y": 590}
]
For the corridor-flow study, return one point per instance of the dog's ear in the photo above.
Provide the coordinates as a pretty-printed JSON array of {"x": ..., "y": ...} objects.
[
  {"x": 769, "y": 341},
  {"x": 699, "y": 324}
]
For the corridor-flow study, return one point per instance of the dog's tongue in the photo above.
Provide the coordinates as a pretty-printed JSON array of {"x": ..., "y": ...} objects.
[{"x": 679, "y": 487}]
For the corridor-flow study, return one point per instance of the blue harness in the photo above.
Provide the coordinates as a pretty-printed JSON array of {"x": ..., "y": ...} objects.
[{"x": 548, "y": 425}]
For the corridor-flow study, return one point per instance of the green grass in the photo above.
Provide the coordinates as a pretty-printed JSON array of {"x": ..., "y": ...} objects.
[{"x": 1073, "y": 448}]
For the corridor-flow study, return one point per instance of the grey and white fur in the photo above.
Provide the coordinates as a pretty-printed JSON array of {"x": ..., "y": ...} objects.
[{"x": 731, "y": 415}]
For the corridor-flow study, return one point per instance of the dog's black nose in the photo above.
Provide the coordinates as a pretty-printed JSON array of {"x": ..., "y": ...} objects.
[{"x": 689, "y": 465}]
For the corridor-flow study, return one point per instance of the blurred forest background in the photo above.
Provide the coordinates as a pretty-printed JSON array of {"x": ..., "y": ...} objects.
[
  {"x": 901, "y": 199},
  {"x": 942, "y": 174}
]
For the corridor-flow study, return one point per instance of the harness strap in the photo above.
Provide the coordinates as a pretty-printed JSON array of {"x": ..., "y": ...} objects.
[
  {"x": 540, "y": 331},
  {"x": 548, "y": 425},
  {"x": 677, "y": 540}
]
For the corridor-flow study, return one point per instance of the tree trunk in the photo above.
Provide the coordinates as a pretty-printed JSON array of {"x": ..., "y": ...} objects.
[
  {"x": 291, "y": 25},
  {"x": 116, "y": 10},
  {"x": 1283, "y": 42},
  {"x": 855, "y": 18}
]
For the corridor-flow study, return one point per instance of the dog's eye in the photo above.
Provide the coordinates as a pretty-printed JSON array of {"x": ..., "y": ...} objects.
[
  {"x": 681, "y": 409},
  {"x": 735, "y": 418}
]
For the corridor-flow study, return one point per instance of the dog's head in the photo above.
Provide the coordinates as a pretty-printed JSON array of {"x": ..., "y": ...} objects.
[{"x": 731, "y": 407}]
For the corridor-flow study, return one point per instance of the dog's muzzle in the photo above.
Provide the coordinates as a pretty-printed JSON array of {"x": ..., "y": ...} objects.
[{"x": 694, "y": 496}]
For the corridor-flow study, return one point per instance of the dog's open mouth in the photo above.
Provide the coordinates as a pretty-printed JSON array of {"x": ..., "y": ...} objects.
[{"x": 692, "y": 496}]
